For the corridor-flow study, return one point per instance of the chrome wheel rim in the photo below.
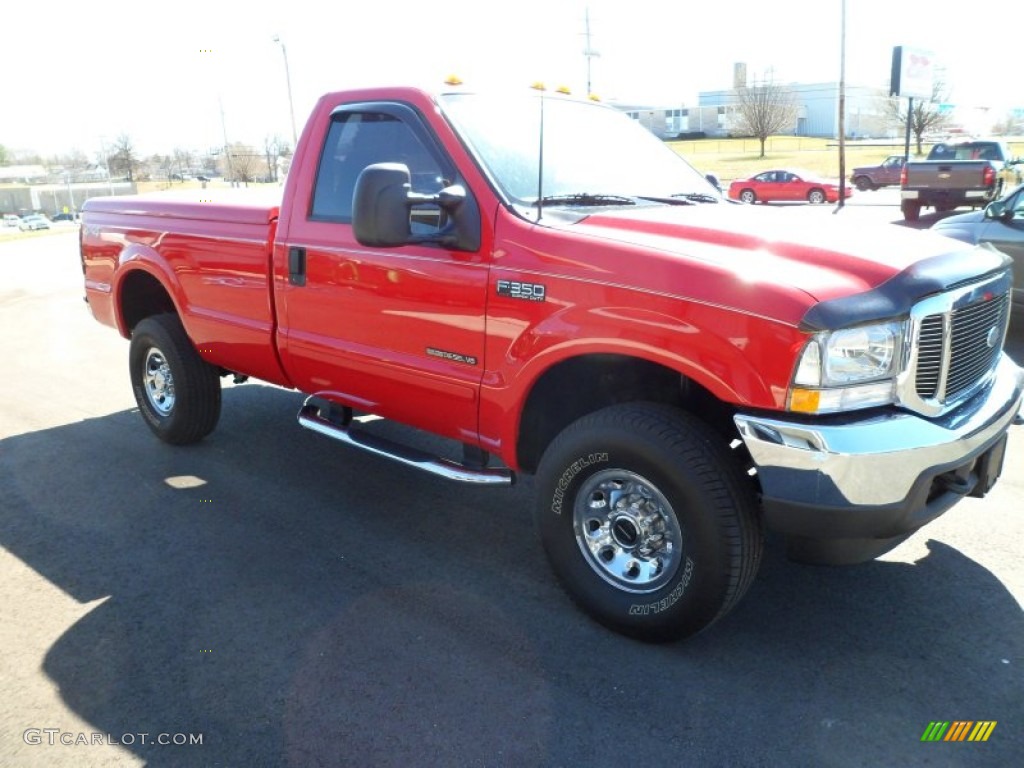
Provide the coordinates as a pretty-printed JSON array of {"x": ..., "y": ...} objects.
[
  {"x": 157, "y": 382},
  {"x": 627, "y": 531},
  {"x": 817, "y": 198}
]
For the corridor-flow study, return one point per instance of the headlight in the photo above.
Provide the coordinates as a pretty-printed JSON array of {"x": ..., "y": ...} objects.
[{"x": 848, "y": 369}]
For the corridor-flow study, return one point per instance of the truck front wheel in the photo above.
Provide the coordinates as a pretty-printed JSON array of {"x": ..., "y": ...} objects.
[
  {"x": 648, "y": 521},
  {"x": 178, "y": 393}
]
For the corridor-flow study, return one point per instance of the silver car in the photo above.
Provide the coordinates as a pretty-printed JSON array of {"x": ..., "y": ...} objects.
[
  {"x": 33, "y": 221},
  {"x": 1001, "y": 223}
]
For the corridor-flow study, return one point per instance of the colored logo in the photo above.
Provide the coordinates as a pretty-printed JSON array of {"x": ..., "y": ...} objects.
[{"x": 958, "y": 730}]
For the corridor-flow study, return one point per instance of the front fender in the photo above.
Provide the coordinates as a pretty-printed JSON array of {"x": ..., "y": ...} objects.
[
  {"x": 717, "y": 354},
  {"x": 739, "y": 358}
]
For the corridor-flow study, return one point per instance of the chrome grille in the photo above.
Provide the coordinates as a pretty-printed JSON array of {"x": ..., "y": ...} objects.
[
  {"x": 975, "y": 339},
  {"x": 929, "y": 356}
]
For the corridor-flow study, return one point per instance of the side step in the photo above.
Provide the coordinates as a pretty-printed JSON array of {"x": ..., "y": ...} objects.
[{"x": 310, "y": 418}]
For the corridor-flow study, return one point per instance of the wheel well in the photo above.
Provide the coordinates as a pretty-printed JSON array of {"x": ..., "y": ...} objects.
[
  {"x": 573, "y": 388},
  {"x": 142, "y": 295}
]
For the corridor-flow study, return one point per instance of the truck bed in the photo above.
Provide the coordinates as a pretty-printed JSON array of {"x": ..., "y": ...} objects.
[{"x": 214, "y": 256}]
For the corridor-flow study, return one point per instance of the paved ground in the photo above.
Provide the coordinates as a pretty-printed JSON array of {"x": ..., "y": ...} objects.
[{"x": 297, "y": 603}]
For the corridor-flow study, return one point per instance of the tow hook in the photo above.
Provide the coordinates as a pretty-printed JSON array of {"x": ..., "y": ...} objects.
[{"x": 958, "y": 485}]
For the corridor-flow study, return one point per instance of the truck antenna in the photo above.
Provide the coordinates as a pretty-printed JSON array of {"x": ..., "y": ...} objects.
[{"x": 540, "y": 161}]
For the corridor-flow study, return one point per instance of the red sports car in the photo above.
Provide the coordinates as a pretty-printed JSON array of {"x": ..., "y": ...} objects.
[{"x": 785, "y": 186}]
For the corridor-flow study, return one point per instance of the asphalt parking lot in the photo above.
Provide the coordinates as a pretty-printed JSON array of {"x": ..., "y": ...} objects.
[{"x": 289, "y": 601}]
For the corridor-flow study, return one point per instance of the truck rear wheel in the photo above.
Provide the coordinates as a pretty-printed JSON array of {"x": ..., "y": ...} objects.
[
  {"x": 911, "y": 210},
  {"x": 647, "y": 520},
  {"x": 178, "y": 393},
  {"x": 863, "y": 183}
]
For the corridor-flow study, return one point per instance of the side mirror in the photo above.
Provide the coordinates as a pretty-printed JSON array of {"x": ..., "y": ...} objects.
[
  {"x": 380, "y": 209},
  {"x": 996, "y": 210},
  {"x": 383, "y": 200},
  {"x": 713, "y": 181}
]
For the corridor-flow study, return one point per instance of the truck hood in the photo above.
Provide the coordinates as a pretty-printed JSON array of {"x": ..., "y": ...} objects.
[
  {"x": 958, "y": 220},
  {"x": 795, "y": 259}
]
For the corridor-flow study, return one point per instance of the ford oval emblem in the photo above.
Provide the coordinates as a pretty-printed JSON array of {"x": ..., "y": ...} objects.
[{"x": 992, "y": 337}]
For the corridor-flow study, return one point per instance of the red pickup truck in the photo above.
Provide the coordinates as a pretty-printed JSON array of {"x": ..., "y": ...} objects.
[{"x": 550, "y": 288}]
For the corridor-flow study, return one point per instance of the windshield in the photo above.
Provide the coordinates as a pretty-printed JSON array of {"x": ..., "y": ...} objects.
[
  {"x": 970, "y": 151},
  {"x": 590, "y": 151}
]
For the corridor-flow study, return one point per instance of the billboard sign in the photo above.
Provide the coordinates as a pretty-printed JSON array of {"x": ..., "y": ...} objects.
[{"x": 912, "y": 73}]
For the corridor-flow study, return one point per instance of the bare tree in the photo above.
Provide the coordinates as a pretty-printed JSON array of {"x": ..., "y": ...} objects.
[
  {"x": 181, "y": 162},
  {"x": 164, "y": 164},
  {"x": 23, "y": 157},
  {"x": 123, "y": 159},
  {"x": 72, "y": 162},
  {"x": 764, "y": 110},
  {"x": 246, "y": 164},
  {"x": 3, "y": 155},
  {"x": 208, "y": 162},
  {"x": 274, "y": 147},
  {"x": 926, "y": 116},
  {"x": 1011, "y": 125}
]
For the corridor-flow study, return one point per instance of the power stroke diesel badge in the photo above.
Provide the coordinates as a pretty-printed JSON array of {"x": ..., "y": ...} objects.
[
  {"x": 525, "y": 291},
  {"x": 453, "y": 356}
]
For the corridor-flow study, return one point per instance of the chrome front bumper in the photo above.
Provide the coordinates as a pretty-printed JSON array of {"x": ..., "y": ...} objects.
[{"x": 878, "y": 475}]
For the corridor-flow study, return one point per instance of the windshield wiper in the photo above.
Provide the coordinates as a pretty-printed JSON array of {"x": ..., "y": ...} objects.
[
  {"x": 682, "y": 198},
  {"x": 586, "y": 198},
  {"x": 696, "y": 197},
  {"x": 673, "y": 200}
]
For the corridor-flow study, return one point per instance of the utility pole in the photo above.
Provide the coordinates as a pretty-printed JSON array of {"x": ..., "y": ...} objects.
[
  {"x": 288, "y": 81},
  {"x": 227, "y": 152},
  {"x": 842, "y": 107},
  {"x": 588, "y": 49}
]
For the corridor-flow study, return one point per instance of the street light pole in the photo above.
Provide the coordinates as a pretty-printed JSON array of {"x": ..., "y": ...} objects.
[
  {"x": 288, "y": 81},
  {"x": 842, "y": 106}
]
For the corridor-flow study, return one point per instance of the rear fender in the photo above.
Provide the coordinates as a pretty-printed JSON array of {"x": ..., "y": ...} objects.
[{"x": 137, "y": 258}]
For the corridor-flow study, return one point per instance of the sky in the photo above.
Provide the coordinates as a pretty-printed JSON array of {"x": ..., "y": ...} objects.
[{"x": 191, "y": 74}]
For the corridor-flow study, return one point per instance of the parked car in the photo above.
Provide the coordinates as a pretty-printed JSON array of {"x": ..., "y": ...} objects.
[
  {"x": 785, "y": 186},
  {"x": 885, "y": 174},
  {"x": 1001, "y": 223},
  {"x": 34, "y": 221},
  {"x": 65, "y": 217},
  {"x": 10, "y": 220}
]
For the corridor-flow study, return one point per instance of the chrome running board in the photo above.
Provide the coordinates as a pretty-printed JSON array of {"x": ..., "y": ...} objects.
[{"x": 311, "y": 418}]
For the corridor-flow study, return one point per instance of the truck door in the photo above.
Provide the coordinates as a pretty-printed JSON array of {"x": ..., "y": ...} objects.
[
  {"x": 398, "y": 332},
  {"x": 891, "y": 170}
]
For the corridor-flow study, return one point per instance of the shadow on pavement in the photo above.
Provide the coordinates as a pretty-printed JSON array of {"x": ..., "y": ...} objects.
[{"x": 309, "y": 605}]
